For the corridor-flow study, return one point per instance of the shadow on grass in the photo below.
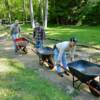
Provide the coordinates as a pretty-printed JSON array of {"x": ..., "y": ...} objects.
[
  {"x": 26, "y": 85},
  {"x": 85, "y": 34}
]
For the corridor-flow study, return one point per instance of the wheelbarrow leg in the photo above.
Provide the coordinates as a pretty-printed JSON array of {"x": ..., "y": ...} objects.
[
  {"x": 74, "y": 83},
  {"x": 99, "y": 79},
  {"x": 40, "y": 60}
]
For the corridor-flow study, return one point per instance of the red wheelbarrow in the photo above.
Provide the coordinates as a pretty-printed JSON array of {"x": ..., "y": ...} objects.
[{"x": 21, "y": 44}]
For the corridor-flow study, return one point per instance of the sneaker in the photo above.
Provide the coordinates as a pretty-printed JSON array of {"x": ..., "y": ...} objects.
[
  {"x": 66, "y": 72},
  {"x": 53, "y": 69},
  {"x": 61, "y": 74}
]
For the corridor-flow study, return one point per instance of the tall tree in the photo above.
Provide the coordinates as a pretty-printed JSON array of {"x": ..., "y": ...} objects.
[
  {"x": 32, "y": 14},
  {"x": 41, "y": 10},
  {"x": 24, "y": 12},
  {"x": 8, "y": 8},
  {"x": 46, "y": 14}
]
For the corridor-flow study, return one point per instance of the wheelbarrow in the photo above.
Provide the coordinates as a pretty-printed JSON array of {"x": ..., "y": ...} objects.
[
  {"x": 86, "y": 72},
  {"x": 21, "y": 44},
  {"x": 46, "y": 55}
]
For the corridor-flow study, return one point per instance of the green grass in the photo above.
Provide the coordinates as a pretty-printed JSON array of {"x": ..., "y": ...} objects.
[
  {"x": 26, "y": 28},
  {"x": 84, "y": 34},
  {"x": 20, "y": 83}
]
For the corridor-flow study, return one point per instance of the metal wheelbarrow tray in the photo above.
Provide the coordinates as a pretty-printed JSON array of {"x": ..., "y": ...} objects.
[
  {"x": 45, "y": 55},
  {"x": 85, "y": 72}
]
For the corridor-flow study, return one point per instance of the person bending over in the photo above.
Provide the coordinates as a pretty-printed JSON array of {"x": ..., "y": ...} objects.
[{"x": 60, "y": 59}]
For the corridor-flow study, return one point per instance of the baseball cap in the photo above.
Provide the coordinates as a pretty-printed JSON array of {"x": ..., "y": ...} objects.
[{"x": 73, "y": 39}]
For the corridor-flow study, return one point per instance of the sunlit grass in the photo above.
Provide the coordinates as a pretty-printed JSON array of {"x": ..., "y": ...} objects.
[
  {"x": 26, "y": 28},
  {"x": 84, "y": 34},
  {"x": 6, "y": 65},
  {"x": 21, "y": 83}
]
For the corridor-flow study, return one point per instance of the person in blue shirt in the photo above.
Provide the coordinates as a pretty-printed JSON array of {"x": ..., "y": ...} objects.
[{"x": 15, "y": 31}]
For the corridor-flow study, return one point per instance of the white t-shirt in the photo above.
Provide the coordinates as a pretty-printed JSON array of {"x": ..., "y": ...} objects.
[{"x": 62, "y": 46}]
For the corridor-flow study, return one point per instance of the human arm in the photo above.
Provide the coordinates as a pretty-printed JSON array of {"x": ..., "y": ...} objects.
[
  {"x": 72, "y": 53},
  {"x": 19, "y": 27},
  {"x": 44, "y": 35},
  {"x": 34, "y": 32}
]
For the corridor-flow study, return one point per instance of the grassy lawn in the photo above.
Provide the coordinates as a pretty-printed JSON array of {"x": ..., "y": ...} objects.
[
  {"x": 20, "y": 83},
  {"x": 26, "y": 28},
  {"x": 84, "y": 34}
]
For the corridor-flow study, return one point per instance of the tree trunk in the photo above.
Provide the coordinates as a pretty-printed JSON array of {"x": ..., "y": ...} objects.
[
  {"x": 41, "y": 10},
  {"x": 32, "y": 14},
  {"x": 9, "y": 11},
  {"x": 46, "y": 14},
  {"x": 9, "y": 16},
  {"x": 24, "y": 12}
]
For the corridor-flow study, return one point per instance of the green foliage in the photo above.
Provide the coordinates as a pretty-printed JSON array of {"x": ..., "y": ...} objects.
[
  {"x": 66, "y": 12},
  {"x": 75, "y": 12},
  {"x": 92, "y": 16}
]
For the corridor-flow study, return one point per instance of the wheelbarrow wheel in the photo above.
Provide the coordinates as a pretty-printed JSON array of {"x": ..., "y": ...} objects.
[
  {"x": 95, "y": 85},
  {"x": 40, "y": 61},
  {"x": 50, "y": 64},
  {"x": 25, "y": 50}
]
